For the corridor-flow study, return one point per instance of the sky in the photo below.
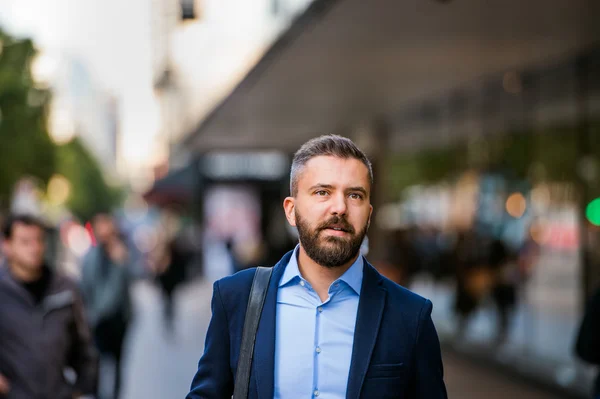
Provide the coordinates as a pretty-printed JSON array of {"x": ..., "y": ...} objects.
[
  {"x": 113, "y": 36},
  {"x": 113, "y": 40}
]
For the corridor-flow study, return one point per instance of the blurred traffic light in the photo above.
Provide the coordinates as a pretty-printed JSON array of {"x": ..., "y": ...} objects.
[
  {"x": 592, "y": 212},
  {"x": 188, "y": 9}
]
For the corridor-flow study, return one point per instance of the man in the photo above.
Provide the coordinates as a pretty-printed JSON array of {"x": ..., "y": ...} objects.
[
  {"x": 106, "y": 288},
  {"x": 587, "y": 345},
  {"x": 169, "y": 263},
  {"x": 43, "y": 331},
  {"x": 331, "y": 326}
]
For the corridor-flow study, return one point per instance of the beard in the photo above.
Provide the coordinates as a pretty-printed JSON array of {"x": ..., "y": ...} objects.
[{"x": 332, "y": 251}]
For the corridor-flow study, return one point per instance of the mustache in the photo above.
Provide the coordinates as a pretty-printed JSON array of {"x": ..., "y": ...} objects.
[{"x": 336, "y": 222}]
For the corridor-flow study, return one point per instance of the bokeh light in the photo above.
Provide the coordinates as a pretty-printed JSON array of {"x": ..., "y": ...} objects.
[
  {"x": 78, "y": 240},
  {"x": 516, "y": 204},
  {"x": 145, "y": 238},
  {"x": 59, "y": 190},
  {"x": 592, "y": 212}
]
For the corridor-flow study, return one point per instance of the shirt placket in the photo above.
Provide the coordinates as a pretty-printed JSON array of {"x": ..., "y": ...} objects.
[{"x": 320, "y": 309}]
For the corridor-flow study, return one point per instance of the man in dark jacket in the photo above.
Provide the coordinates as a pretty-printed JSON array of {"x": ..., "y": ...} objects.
[
  {"x": 588, "y": 340},
  {"x": 43, "y": 331}
]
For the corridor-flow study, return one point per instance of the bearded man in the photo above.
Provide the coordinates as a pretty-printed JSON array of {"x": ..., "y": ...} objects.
[{"x": 331, "y": 325}]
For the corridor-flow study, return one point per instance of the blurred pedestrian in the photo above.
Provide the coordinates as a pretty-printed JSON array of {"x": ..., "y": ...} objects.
[
  {"x": 331, "y": 325},
  {"x": 474, "y": 277},
  {"x": 401, "y": 261},
  {"x": 170, "y": 268},
  {"x": 43, "y": 330},
  {"x": 587, "y": 346},
  {"x": 106, "y": 287},
  {"x": 236, "y": 263},
  {"x": 503, "y": 263}
]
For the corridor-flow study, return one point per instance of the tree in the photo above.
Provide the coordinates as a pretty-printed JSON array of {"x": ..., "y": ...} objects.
[
  {"x": 25, "y": 147},
  {"x": 90, "y": 193}
]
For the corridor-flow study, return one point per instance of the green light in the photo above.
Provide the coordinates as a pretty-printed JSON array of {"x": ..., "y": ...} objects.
[{"x": 592, "y": 212}]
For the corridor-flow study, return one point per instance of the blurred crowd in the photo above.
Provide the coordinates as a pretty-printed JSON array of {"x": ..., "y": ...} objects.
[
  {"x": 67, "y": 296},
  {"x": 67, "y": 329},
  {"x": 62, "y": 334},
  {"x": 480, "y": 266}
]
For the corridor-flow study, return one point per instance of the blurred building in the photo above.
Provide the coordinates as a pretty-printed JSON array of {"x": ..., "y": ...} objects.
[
  {"x": 201, "y": 51},
  {"x": 481, "y": 117},
  {"x": 81, "y": 108}
]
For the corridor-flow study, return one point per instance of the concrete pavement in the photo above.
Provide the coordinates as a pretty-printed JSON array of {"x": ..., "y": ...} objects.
[{"x": 159, "y": 366}]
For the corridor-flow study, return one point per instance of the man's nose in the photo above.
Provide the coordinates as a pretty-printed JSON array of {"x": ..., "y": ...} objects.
[{"x": 338, "y": 205}]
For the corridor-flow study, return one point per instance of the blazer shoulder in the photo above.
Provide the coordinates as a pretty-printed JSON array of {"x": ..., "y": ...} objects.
[
  {"x": 236, "y": 286},
  {"x": 405, "y": 298}
]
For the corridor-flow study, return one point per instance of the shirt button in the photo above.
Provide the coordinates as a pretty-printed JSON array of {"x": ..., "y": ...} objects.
[
  {"x": 320, "y": 309},
  {"x": 317, "y": 393},
  {"x": 302, "y": 283},
  {"x": 318, "y": 350}
]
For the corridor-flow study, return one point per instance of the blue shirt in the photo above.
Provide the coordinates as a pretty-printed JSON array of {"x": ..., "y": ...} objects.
[{"x": 313, "y": 344}]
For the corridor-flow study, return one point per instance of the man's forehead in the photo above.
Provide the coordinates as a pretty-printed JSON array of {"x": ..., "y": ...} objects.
[
  {"x": 334, "y": 171},
  {"x": 20, "y": 226}
]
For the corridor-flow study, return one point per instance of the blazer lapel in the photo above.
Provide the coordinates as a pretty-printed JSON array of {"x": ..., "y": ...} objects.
[
  {"x": 370, "y": 312},
  {"x": 264, "y": 349}
]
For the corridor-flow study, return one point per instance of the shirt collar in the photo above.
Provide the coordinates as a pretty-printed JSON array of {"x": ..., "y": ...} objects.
[
  {"x": 291, "y": 271},
  {"x": 353, "y": 276}
]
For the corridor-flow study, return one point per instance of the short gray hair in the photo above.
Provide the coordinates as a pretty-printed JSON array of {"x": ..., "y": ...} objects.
[{"x": 326, "y": 145}]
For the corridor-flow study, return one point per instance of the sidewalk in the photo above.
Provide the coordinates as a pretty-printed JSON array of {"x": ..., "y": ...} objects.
[
  {"x": 540, "y": 346},
  {"x": 466, "y": 379},
  {"x": 158, "y": 366}
]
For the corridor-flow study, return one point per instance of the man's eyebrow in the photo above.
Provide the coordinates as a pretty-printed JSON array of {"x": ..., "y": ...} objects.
[
  {"x": 319, "y": 185},
  {"x": 359, "y": 189}
]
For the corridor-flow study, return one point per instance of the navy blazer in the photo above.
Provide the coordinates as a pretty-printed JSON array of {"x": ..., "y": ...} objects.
[{"x": 396, "y": 352}]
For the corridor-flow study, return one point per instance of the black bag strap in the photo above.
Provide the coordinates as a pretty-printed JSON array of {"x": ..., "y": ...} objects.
[{"x": 258, "y": 292}]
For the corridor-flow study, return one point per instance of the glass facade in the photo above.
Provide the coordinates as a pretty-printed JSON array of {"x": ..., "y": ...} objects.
[{"x": 497, "y": 220}]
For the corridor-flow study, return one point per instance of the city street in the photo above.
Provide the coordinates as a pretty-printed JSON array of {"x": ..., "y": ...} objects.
[
  {"x": 159, "y": 366},
  {"x": 146, "y": 143}
]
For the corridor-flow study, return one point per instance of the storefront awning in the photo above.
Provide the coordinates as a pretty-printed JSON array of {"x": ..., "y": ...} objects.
[
  {"x": 176, "y": 188},
  {"x": 345, "y": 62}
]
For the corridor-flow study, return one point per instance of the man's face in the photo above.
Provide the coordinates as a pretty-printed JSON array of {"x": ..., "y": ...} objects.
[
  {"x": 26, "y": 247},
  {"x": 105, "y": 229},
  {"x": 331, "y": 209}
]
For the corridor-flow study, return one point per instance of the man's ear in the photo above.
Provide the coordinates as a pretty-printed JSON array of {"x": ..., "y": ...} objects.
[{"x": 289, "y": 206}]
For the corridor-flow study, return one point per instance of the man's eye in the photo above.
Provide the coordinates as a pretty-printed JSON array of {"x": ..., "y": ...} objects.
[
  {"x": 321, "y": 193},
  {"x": 355, "y": 196}
]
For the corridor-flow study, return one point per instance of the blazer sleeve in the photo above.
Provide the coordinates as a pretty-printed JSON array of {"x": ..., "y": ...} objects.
[
  {"x": 429, "y": 371},
  {"x": 213, "y": 379}
]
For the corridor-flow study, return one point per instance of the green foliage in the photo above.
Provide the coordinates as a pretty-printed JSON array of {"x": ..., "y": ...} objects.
[
  {"x": 423, "y": 167},
  {"x": 553, "y": 152},
  {"x": 550, "y": 154},
  {"x": 90, "y": 193},
  {"x": 25, "y": 147}
]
